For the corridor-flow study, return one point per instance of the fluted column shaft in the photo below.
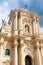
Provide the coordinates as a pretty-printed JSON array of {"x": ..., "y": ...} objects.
[
  {"x": 42, "y": 51},
  {"x": 38, "y": 55},
  {"x": 15, "y": 21},
  {"x": 2, "y": 50},
  {"x": 30, "y": 28},
  {"x": 12, "y": 25},
  {"x": 12, "y": 54},
  {"x": 35, "y": 56},
  {"x": 21, "y": 55},
  {"x": 37, "y": 25},
  {"x": 20, "y": 21},
  {"x": 20, "y": 24},
  {"x": 34, "y": 24},
  {"x": 15, "y": 53},
  {"x": 0, "y": 54}
]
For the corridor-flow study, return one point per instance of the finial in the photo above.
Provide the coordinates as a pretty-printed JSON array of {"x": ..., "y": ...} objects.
[{"x": 25, "y": 6}]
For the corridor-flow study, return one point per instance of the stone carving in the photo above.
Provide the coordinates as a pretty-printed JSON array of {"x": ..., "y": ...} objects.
[{"x": 3, "y": 22}]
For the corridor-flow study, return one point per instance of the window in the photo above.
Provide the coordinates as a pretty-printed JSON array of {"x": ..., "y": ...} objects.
[
  {"x": 7, "y": 52},
  {"x": 26, "y": 28}
]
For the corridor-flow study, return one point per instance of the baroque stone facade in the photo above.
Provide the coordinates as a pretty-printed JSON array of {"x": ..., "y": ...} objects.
[{"x": 21, "y": 42}]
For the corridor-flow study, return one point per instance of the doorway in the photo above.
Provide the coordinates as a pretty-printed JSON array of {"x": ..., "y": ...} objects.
[{"x": 28, "y": 60}]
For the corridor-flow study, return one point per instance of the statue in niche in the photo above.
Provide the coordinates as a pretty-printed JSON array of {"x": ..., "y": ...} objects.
[
  {"x": 26, "y": 28},
  {"x": 3, "y": 22}
]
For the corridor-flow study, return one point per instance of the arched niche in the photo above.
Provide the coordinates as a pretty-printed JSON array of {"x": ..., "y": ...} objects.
[{"x": 26, "y": 28}]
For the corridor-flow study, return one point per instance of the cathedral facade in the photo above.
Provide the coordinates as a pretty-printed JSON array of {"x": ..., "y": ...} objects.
[{"x": 21, "y": 42}]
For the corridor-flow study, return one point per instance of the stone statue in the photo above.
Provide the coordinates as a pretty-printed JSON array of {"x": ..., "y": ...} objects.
[{"x": 3, "y": 22}]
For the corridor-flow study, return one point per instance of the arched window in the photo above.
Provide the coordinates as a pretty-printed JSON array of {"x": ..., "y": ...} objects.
[
  {"x": 7, "y": 52},
  {"x": 26, "y": 28}
]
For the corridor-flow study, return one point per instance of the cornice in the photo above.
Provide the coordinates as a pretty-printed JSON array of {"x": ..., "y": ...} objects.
[
  {"x": 13, "y": 13},
  {"x": 34, "y": 15},
  {"x": 23, "y": 12},
  {"x": 7, "y": 37},
  {"x": 34, "y": 37}
]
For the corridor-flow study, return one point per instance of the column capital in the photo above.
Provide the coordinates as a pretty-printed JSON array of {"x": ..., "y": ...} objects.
[
  {"x": 21, "y": 43},
  {"x": 37, "y": 45},
  {"x": 16, "y": 13},
  {"x": 41, "y": 45},
  {"x": 37, "y": 19},
  {"x": 15, "y": 43}
]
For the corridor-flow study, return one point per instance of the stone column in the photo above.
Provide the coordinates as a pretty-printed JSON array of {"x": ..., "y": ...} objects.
[
  {"x": 21, "y": 56},
  {"x": 12, "y": 56},
  {"x": 0, "y": 53},
  {"x": 34, "y": 24},
  {"x": 15, "y": 53},
  {"x": 16, "y": 21},
  {"x": 12, "y": 25},
  {"x": 30, "y": 28},
  {"x": 21, "y": 23},
  {"x": 42, "y": 51},
  {"x": 37, "y": 25},
  {"x": 35, "y": 56},
  {"x": 38, "y": 55},
  {"x": 2, "y": 50}
]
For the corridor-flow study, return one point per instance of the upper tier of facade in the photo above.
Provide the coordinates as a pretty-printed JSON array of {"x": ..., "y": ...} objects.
[{"x": 22, "y": 23}]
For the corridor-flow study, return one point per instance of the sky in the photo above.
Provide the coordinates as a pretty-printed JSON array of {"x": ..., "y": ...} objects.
[{"x": 32, "y": 5}]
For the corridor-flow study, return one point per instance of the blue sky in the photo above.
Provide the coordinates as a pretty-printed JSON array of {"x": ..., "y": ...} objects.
[{"x": 32, "y": 6}]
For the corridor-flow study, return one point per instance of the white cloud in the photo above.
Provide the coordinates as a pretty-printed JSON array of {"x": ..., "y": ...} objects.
[
  {"x": 27, "y": 2},
  {"x": 1, "y": 8},
  {"x": 4, "y": 15},
  {"x": 4, "y": 11},
  {"x": 5, "y": 3}
]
